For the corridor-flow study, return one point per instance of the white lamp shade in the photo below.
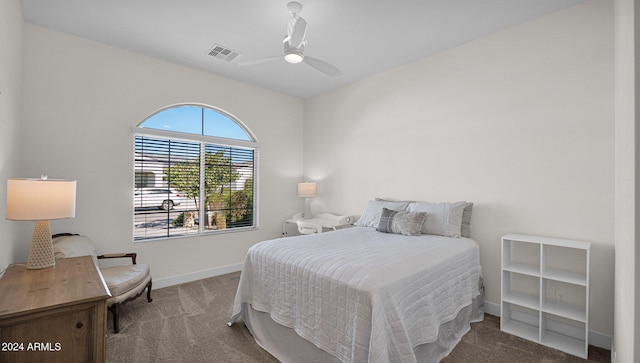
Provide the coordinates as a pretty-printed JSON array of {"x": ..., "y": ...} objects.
[
  {"x": 307, "y": 190},
  {"x": 40, "y": 199}
]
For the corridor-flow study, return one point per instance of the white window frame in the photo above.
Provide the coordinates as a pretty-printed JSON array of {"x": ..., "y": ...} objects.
[{"x": 203, "y": 140}]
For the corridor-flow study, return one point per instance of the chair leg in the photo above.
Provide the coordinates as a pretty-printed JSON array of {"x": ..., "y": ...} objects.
[
  {"x": 149, "y": 299},
  {"x": 115, "y": 310}
]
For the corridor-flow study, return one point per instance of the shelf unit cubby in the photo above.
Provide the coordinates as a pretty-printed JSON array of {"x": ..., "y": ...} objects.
[{"x": 545, "y": 291}]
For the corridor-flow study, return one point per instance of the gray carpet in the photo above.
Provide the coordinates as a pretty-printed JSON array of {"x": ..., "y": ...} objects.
[{"x": 187, "y": 323}]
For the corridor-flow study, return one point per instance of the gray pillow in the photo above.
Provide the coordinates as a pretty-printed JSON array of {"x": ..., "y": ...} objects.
[
  {"x": 465, "y": 229},
  {"x": 399, "y": 222},
  {"x": 371, "y": 215}
]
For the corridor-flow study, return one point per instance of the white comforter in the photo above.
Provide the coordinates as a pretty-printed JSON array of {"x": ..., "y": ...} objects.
[{"x": 359, "y": 294}]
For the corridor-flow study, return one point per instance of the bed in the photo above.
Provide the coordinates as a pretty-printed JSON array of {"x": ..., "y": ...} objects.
[{"x": 362, "y": 294}]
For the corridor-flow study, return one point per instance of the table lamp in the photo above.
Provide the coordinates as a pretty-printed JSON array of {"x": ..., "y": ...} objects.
[
  {"x": 40, "y": 200},
  {"x": 306, "y": 191}
]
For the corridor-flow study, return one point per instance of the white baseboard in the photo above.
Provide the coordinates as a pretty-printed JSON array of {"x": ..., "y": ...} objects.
[
  {"x": 199, "y": 275},
  {"x": 599, "y": 340},
  {"x": 491, "y": 308},
  {"x": 595, "y": 338}
]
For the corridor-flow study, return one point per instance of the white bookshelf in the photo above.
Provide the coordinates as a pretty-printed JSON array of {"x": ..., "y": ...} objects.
[{"x": 545, "y": 291}]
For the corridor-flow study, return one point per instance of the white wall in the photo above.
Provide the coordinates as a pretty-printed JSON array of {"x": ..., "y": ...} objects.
[
  {"x": 11, "y": 246},
  {"x": 627, "y": 222},
  {"x": 81, "y": 99},
  {"x": 520, "y": 122}
]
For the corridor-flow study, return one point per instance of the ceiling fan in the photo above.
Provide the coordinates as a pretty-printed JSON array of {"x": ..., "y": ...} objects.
[{"x": 294, "y": 43}]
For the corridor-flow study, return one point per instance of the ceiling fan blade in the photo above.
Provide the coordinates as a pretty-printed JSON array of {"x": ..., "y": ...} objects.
[
  {"x": 259, "y": 60},
  {"x": 322, "y": 66},
  {"x": 296, "y": 30}
]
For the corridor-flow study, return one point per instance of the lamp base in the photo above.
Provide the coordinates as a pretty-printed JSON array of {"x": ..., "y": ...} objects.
[
  {"x": 41, "y": 250},
  {"x": 306, "y": 213}
]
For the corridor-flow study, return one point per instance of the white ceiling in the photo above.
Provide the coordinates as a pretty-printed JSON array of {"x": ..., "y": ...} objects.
[{"x": 361, "y": 37}]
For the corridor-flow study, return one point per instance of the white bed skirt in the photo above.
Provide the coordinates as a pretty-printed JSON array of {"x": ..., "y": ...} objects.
[{"x": 287, "y": 346}]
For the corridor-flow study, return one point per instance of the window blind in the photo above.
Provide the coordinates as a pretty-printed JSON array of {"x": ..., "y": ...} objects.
[{"x": 168, "y": 200}]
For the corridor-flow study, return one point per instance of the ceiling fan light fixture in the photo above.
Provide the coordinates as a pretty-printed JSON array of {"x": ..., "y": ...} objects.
[
  {"x": 294, "y": 43},
  {"x": 293, "y": 57}
]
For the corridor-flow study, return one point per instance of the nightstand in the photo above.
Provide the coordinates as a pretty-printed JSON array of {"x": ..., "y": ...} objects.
[
  {"x": 325, "y": 220},
  {"x": 55, "y": 314}
]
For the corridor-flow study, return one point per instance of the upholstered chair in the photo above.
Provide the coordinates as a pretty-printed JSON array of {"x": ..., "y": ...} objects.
[{"x": 125, "y": 282}]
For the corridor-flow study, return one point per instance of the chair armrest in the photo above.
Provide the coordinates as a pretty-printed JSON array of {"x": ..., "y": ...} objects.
[
  {"x": 63, "y": 235},
  {"x": 132, "y": 255}
]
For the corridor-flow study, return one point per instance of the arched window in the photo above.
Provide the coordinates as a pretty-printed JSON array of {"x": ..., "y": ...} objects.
[{"x": 177, "y": 150}]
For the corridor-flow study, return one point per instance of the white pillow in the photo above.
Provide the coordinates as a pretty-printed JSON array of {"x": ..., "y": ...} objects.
[
  {"x": 443, "y": 219},
  {"x": 371, "y": 215}
]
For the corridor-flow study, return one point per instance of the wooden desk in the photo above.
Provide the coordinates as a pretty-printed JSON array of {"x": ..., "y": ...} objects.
[{"x": 55, "y": 314}]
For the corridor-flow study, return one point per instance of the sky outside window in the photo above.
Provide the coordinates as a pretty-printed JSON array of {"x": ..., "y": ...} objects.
[{"x": 196, "y": 120}]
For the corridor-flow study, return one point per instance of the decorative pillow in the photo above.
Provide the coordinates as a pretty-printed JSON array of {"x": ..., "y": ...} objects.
[
  {"x": 445, "y": 219},
  {"x": 400, "y": 222},
  {"x": 394, "y": 200},
  {"x": 74, "y": 246},
  {"x": 465, "y": 229},
  {"x": 371, "y": 215}
]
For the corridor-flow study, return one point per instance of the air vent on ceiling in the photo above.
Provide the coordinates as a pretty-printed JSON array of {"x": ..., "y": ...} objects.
[{"x": 225, "y": 54}]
